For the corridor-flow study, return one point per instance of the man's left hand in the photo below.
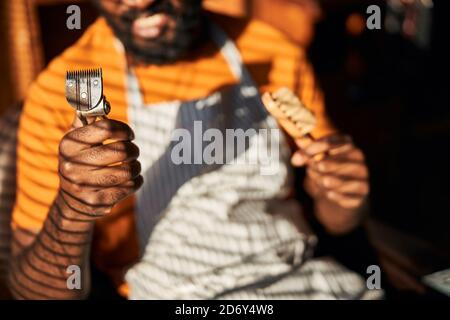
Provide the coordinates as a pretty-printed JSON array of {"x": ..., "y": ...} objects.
[{"x": 337, "y": 179}]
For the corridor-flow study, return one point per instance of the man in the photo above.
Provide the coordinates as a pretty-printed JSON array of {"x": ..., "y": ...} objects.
[{"x": 192, "y": 230}]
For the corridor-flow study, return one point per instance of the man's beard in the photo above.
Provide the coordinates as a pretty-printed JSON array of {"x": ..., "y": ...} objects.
[{"x": 161, "y": 50}]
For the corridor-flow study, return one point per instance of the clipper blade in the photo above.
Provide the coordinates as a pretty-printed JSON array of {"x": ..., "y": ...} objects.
[{"x": 84, "y": 92}]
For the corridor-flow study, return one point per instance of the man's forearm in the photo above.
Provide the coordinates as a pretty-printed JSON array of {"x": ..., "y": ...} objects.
[
  {"x": 40, "y": 270},
  {"x": 94, "y": 175},
  {"x": 335, "y": 219}
]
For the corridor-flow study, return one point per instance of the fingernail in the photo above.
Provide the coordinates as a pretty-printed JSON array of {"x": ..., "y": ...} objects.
[
  {"x": 326, "y": 182},
  {"x": 297, "y": 160},
  {"x": 303, "y": 143},
  {"x": 331, "y": 194}
]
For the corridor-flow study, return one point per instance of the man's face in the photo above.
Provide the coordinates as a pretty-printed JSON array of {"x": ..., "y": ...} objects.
[{"x": 154, "y": 31}]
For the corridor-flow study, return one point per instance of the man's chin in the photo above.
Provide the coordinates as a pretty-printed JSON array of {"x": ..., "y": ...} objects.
[
  {"x": 157, "y": 54},
  {"x": 158, "y": 51}
]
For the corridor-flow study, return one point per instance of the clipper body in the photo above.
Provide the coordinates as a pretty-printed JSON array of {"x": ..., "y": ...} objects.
[{"x": 84, "y": 92}]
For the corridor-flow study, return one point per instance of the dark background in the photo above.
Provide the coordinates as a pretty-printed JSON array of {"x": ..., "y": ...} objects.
[{"x": 396, "y": 106}]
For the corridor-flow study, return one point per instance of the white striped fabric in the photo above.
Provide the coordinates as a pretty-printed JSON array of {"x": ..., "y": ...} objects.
[
  {"x": 212, "y": 231},
  {"x": 317, "y": 279}
]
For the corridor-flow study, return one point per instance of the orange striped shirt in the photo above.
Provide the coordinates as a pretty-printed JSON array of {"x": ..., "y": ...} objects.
[{"x": 272, "y": 59}]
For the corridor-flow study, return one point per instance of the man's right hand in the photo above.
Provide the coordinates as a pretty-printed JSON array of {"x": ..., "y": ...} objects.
[{"x": 98, "y": 167}]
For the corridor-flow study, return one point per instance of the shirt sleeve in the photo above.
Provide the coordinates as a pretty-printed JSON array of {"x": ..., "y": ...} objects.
[{"x": 43, "y": 122}]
